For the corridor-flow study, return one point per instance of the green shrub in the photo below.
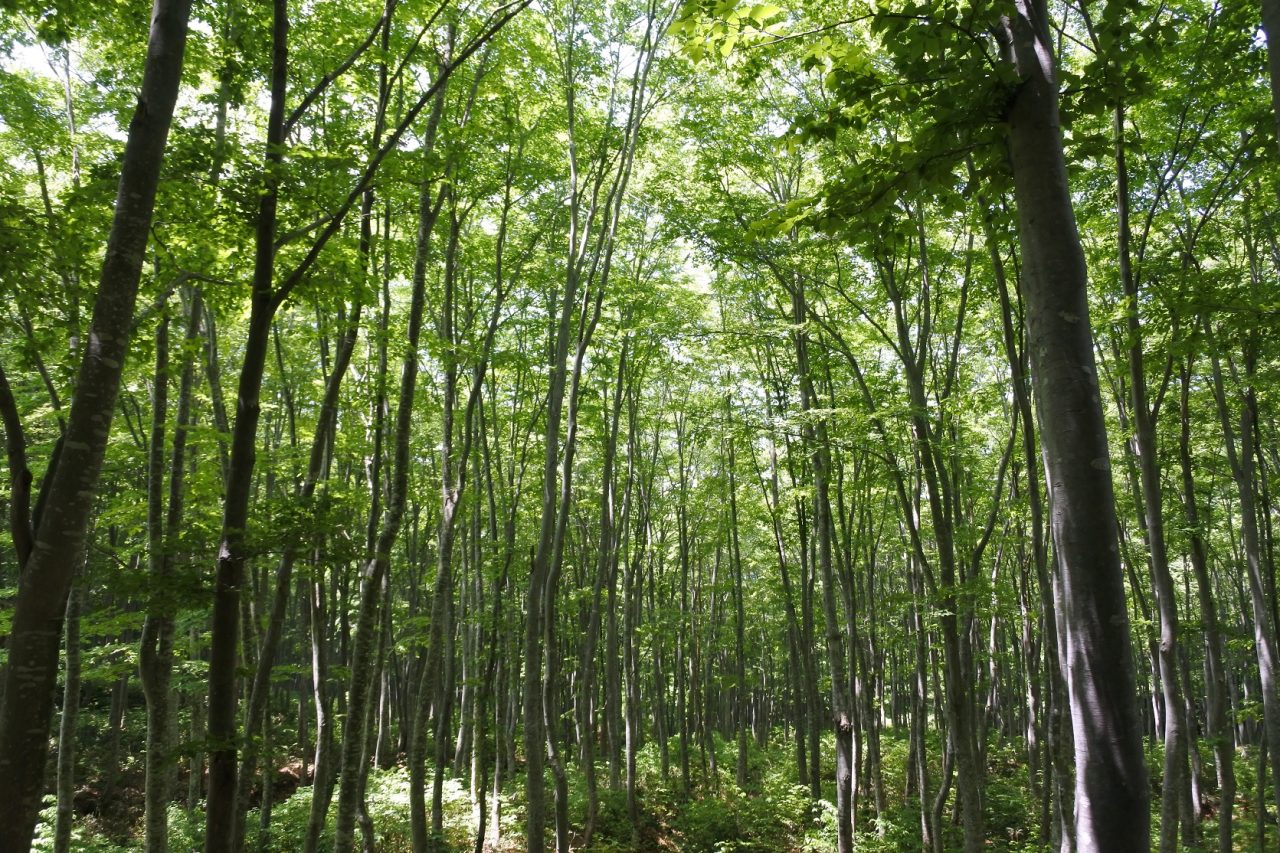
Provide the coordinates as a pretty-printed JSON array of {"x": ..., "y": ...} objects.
[
  {"x": 707, "y": 824},
  {"x": 84, "y": 835}
]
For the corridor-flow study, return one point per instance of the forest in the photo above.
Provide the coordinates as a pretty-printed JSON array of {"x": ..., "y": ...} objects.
[{"x": 639, "y": 425}]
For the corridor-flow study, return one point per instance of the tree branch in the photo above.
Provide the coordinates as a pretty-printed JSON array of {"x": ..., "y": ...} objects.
[
  {"x": 15, "y": 442},
  {"x": 318, "y": 89}
]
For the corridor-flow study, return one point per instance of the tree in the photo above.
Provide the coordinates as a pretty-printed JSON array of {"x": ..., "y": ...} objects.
[
  {"x": 1111, "y": 776},
  {"x": 51, "y": 542}
]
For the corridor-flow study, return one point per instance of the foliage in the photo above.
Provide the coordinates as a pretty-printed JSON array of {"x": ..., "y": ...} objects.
[{"x": 783, "y": 250}]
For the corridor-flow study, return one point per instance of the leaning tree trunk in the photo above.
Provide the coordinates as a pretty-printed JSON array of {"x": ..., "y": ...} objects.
[
  {"x": 61, "y": 533},
  {"x": 265, "y": 301},
  {"x": 1111, "y": 777},
  {"x": 256, "y": 711}
]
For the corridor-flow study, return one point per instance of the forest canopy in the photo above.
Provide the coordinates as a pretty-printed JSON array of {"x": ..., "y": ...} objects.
[{"x": 639, "y": 425}]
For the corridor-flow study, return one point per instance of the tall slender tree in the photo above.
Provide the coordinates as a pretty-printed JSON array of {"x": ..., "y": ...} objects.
[{"x": 53, "y": 541}]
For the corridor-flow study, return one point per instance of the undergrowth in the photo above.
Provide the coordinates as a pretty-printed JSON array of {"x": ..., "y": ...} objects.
[{"x": 772, "y": 813}]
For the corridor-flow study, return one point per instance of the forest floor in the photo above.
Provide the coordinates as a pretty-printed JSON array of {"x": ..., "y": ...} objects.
[{"x": 774, "y": 814}]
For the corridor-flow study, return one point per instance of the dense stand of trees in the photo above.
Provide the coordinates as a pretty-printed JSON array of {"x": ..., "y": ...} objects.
[{"x": 519, "y": 425}]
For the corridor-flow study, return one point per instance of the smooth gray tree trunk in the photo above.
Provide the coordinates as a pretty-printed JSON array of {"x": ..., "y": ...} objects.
[{"x": 1111, "y": 778}]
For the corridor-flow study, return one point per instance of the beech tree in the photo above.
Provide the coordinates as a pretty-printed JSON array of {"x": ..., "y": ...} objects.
[{"x": 50, "y": 536}]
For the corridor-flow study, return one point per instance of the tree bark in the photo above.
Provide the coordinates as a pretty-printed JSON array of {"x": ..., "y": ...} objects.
[
  {"x": 220, "y": 806},
  {"x": 1111, "y": 779},
  {"x": 67, "y": 725},
  {"x": 815, "y": 434},
  {"x": 352, "y": 769},
  {"x": 1271, "y": 27},
  {"x": 1175, "y": 724},
  {"x": 256, "y": 710},
  {"x": 60, "y": 539},
  {"x": 155, "y": 656},
  {"x": 1221, "y": 732},
  {"x": 1240, "y": 457}
]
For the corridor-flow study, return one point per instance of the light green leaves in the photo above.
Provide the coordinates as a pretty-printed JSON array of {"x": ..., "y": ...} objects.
[
  {"x": 762, "y": 12},
  {"x": 719, "y": 28}
]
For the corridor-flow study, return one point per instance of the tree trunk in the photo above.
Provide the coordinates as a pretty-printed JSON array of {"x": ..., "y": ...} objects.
[
  {"x": 841, "y": 707},
  {"x": 256, "y": 710},
  {"x": 1241, "y": 461},
  {"x": 352, "y": 769},
  {"x": 1111, "y": 778},
  {"x": 739, "y": 626},
  {"x": 1175, "y": 723},
  {"x": 606, "y": 557},
  {"x": 155, "y": 665},
  {"x": 60, "y": 534},
  {"x": 67, "y": 725},
  {"x": 1217, "y": 721},
  {"x": 220, "y": 807},
  {"x": 1271, "y": 27},
  {"x": 322, "y": 778}
]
